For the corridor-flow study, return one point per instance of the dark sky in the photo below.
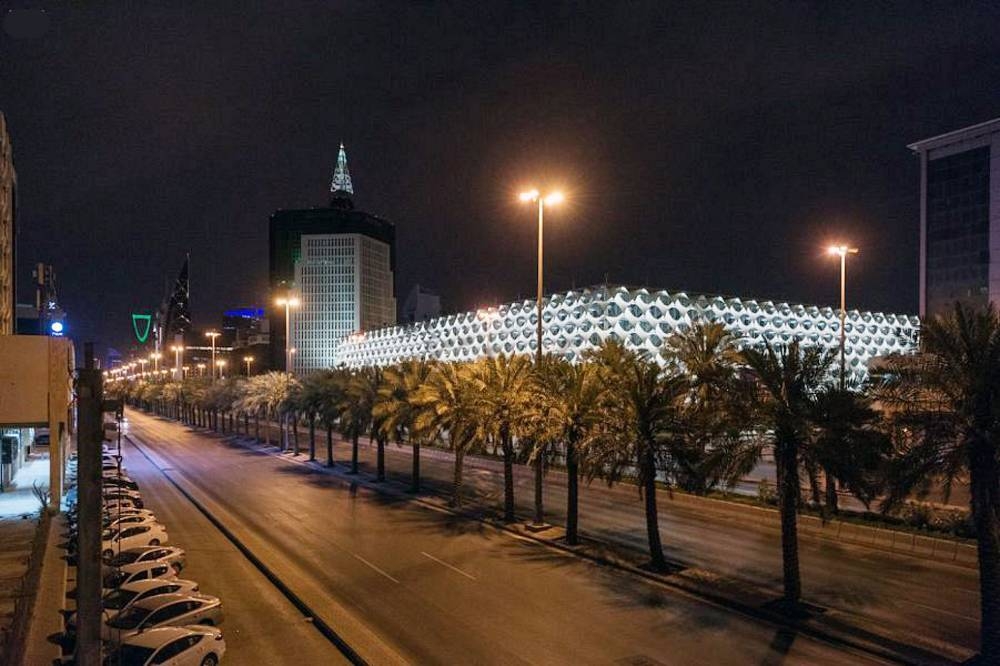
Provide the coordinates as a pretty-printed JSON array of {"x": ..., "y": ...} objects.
[{"x": 704, "y": 146}]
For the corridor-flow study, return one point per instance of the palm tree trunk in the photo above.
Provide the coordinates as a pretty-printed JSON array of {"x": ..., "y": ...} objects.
[
  {"x": 354, "y": 452},
  {"x": 312, "y": 436},
  {"x": 415, "y": 475},
  {"x": 831, "y": 492},
  {"x": 572, "y": 493},
  {"x": 380, "y": 459},
  {"x": 647, "y": 467},
  {"x": 508, "y": 475},
  {"x": 985, "y": 503},
  {"x": 539, "y": 505},
  {"x": 329, "y": 446},
  {"x": 294, "y": 418},
  {"x": 256, "y": 425},
  {"x": 788, "y": 502},
  {"x": 456, "y": 485}
]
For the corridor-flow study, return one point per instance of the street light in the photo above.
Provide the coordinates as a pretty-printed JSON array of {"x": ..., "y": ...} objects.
[
  {"x": 842, "y": 251},
  {"x": 177, "y": 350},
  {"x": 201, "y": 369},
  {"x": 155, "y": 357},
  {"x": 551, "y": 199},
  {"x": 248, "y": 360},
  {"x": 213, "y": 335},
  {"x": 221, "y": 364},
  {"x": 288, "y": 302}
]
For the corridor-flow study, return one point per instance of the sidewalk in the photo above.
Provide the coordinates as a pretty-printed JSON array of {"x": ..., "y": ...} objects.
[
  {"x": 18, "y": 499},
  {"x": 46, "y": 621}
]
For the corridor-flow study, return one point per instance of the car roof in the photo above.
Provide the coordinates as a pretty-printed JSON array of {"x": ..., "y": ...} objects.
[
  {"x": 154, "y": 638},
  {"x": 140, "y": 566},
  {"x": 152, "y": 603},
  {"x": 149, "y": 583},
  {"x": 145, "y": 549}
]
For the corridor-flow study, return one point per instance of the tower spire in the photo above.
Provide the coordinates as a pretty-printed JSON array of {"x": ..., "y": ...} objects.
[{"x": 341, "y": 184}]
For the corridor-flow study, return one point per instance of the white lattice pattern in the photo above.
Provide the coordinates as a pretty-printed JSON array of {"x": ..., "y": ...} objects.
[{"x": 576, "y": 321}]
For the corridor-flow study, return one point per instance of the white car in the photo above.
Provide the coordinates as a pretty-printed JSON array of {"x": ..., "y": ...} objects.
[
  {"x": 129, "y": 573},
  {"x": 175, "y": 556},
  {"x": 171, "y": 646},
  {"x": 130, "y": 519},
  {"x": 132, "y": 536},
  {"x": 163, "y": 610},
  {"x": 114, "y": 503},
  {"x": 121, "y": 598}
]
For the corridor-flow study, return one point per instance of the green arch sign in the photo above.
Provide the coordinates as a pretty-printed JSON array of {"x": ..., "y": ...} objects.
[{"x": 144, "y": 321}]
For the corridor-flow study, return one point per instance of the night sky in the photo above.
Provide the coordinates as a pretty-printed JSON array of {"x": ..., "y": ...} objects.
[{"x": 711, "y": 147}]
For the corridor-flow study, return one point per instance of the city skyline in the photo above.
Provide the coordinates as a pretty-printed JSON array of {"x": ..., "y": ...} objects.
[{"x": 704, "y": 165}]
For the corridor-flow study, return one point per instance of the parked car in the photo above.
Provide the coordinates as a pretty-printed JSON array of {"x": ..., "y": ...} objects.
[
  {"x": 175, "y": 556},
  {"x": 171, "y": 646},
  {"x": 114, "y": 480},
  {"x": 146, "y": 534},
  {"x": 42, "y": 437},
  {"x": 164, "y": 610},
  {"x": 129, "y": 573},
  {"x": 114, "y": 492},
  {"x": 118, "y": 522},
  {"x": 122, "y": 597}
]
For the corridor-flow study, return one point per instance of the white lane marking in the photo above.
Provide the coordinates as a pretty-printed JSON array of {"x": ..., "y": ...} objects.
[
  {"x": 443, "y": 563},
  {"x": 375, "y": 567}
]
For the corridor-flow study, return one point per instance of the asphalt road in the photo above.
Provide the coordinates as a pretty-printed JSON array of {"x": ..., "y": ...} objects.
[
  {"x": 919, "y": 601},
  {"x": 404, "y": 583},
  {"x": 261, "y": 626}
]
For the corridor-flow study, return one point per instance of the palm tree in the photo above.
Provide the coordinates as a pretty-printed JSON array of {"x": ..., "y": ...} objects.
[
  {"x": 270, "y": 393},
  {"x": 310, "y": 401},
  {"x": 446, "y": 405},
  {"x": 503, "y": 386},
  {"x": 781, "y": 391},
  {"x": 396, "y": 410},
  {"x": 566, "y": 406},
  {"x": 363, "y": 391},
  {"x": 352, "y": 416},
  {"x": 948, "y": 399},
  {"x": 644, "y": 427}
]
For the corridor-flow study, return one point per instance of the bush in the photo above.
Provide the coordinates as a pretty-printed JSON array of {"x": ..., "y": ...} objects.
[{"x": 766, "y": 493}]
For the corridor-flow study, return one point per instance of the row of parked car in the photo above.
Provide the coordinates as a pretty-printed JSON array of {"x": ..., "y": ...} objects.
[{"x": 150, "y": 614}]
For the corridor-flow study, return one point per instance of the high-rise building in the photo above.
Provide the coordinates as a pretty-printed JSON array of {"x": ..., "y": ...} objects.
[
  {"x": 421, "y": 304},
  {"x": 959, "y": 217},
  {"x": 8, "y": 230},
  {"x": 340, "y": 262}
]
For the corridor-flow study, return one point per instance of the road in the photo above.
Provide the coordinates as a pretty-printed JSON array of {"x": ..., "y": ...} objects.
[
  {"x": 930, "y": 603},
  {"x": 261, "y": 625},
  {"x": 404, "y": 583}
]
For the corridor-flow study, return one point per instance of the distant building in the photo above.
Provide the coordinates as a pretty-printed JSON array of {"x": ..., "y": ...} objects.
[
  {"x": 580, "y": 320},
  {"x": 8, "y": 232},
  {"x": 421, "y": 304},
  {"x": 27, "y": 320},
  {"x": 959, "y": 217},
  {"x": 340, "y": 262},
  {"x": 246, "y": 330}
]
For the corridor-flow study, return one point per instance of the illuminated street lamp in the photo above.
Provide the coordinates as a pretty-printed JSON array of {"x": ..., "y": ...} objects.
[
  {"x": 248, "y": 360},
  {"x": 213, "y": 335},
  {"x": 288, "y": 302},
  {"x": 201, "y": 369},
  {"x": 550, "y": 199},
  {"x": 185, "y": 370},
  {"x": 177, "y": 350},
  {"x": 155, "y": 358},
  {"x": 842, "y": 251},
  {"x": 221, "y": 364},
  {"x": 142, "y": 366}
]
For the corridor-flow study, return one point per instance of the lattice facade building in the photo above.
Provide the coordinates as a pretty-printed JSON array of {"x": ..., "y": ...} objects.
[
  {"x": 576, "y": 321},
  {"x": 8, "y": 210}
]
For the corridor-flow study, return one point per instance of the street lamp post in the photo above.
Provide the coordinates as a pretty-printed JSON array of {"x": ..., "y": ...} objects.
[
  {"x": 288, "y": 302},
  {"x": 221, "y": 364},
  {"x": 213, "y": 335},
  {"x": 248, "y": 360},
  {"x": 201, "y": 369},
  {"x": 842, "y": 251},
  {"x": 177, "y": 350},
  {"x": 155, "y": 357},
  {"x": 552, "y": 198}
]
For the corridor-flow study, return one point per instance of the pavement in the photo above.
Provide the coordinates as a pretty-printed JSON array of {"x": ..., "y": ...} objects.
[
  {"x": 404, "y": 582},
  {"x": 19, "y": 498}
]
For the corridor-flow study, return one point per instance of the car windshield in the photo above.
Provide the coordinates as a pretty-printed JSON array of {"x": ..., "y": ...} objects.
[
  {"x": 114, "y": 579},
  {"x": 131, "y": 655},
  {"x": 118, "y": 599},
  {"x": 130, "y": 619},
  {"x": 124, "y": 558}
]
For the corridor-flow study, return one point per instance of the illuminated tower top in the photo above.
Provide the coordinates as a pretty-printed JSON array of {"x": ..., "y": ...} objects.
[{"x": 341, "y": 185}]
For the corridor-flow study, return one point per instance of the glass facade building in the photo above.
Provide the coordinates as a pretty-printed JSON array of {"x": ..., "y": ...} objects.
[
  {"x": 959, "y": 218},
  {"x": 576, "y": 321}
]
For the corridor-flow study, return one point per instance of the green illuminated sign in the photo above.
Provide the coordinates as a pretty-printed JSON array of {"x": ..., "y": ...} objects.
[{"x": 147, "y": 320}]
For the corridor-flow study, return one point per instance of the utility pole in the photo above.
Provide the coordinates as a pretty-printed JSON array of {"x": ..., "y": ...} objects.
[{"x": 90, "y": 395}]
